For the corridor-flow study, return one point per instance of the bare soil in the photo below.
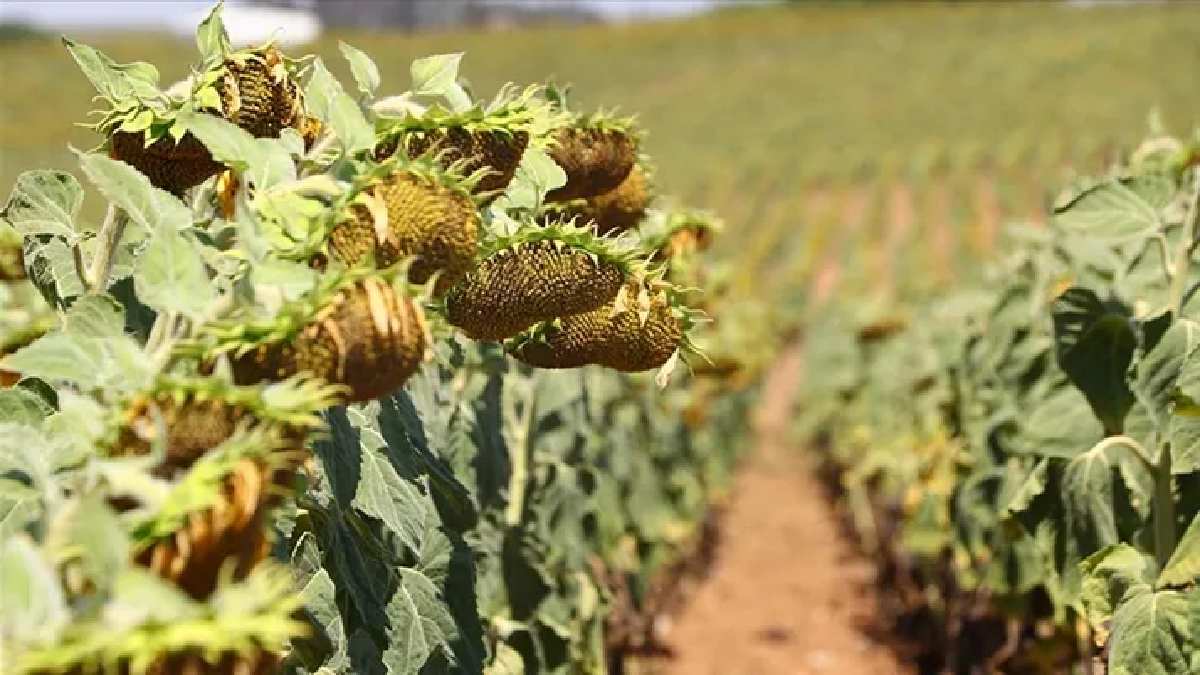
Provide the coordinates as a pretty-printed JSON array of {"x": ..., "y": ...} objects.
[
  {"x": 988, "y": 215},
  {"x": 940, "y": 220},
  {"x": 853, "y": 207},
  {"x": 901, "y": 216},
  {"x": 787, "y": 593}
]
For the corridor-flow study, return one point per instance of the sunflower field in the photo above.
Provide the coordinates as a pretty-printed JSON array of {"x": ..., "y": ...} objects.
[
  {"x": 305, "y": 371},
  {"x": 312, "y": 397}
]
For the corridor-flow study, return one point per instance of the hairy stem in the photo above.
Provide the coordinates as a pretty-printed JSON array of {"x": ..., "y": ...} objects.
[
  {"x": 520, "y": 455},
  {"x": 109, "y": 237}
]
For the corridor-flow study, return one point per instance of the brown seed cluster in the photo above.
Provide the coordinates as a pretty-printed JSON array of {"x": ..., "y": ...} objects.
[
  {"x": 496, "y": 150},
  {"x": 193, "y": 662},
  {"x": 595, "y": 161},
  {"x": 529, "y": 283},
  {"x": 192, "y": 428},
  {"x": 623, "y": 208},
  {"x": 172, "y": 166},
  {"x": 432, "y": 222},
  {"x": 368, "y": 338},
  {"x": 12, "y": 263},
  {"x": 686, "y": 241},
  {"x": 251, "y": 98},
  {"x": 607, "y": 337},
  {"x": 234, "y": 529},
  {"x": 617, "y": 210}
]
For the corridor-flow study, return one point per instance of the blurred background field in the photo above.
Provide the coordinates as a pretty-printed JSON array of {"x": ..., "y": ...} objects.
[{"x": 782, "y": 118}]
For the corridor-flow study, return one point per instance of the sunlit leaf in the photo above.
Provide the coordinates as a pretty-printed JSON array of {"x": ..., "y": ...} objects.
[
  {"x": 1109, "y": 210},
  {"x": 211, "y": 37},
  {"x": 438, "y": 76},
  {"x": 45, "y": 202},
  {"x": 329, "y": 102},
  {"x": 126, "y": 187},
  {"x": 117, "y": 82},
  {"x": 34, "y": 607},
  {"x": 362, "y": 68},
  {"x": 265, "y": 162},
  {"x": 1184, "y": 564},
  {"x": 1109, "y": 576},
  {"x": 171, "y": 276},
  {"x": 1151, "y": 634},
  {"x": 95, "y": 316}
]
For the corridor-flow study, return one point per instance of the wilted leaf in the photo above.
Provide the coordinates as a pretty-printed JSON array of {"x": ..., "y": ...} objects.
[
  {"x": 1088, "y": 492},
  {"x": 1158, "y": 370},
  {"x": 1094, "y": 344}
]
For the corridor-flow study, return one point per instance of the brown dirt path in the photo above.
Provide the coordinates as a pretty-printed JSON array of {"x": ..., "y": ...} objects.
[{"x": 787, "y": 594}]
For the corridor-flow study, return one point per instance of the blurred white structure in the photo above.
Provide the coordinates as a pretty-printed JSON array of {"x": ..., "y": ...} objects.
[
  {"x": 298, "y": 21},
  {"x": 250, "y": 24},
  {"x": 247, "y": 22}
]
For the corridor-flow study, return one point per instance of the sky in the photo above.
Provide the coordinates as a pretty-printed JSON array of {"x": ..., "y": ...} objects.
[{"x": 67, "y": 14}]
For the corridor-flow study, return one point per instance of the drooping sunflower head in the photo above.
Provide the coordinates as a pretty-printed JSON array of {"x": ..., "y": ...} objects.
[
  {"x": 491, "y": 137},
  {"x": 358, "y": 329},
  {"x": 419, "y": 210},
  {"x": 538, "y": 273}
]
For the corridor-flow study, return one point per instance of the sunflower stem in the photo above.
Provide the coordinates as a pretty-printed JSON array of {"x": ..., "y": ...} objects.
[
  {"x": 109, "y": 236},
  {"x": 1165, "y": 538}
]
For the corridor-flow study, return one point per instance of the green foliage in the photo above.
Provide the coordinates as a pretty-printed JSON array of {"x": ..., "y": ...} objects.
[
  {"x": 472, "y": 520},
  {"x": 1044, "y": 441}
]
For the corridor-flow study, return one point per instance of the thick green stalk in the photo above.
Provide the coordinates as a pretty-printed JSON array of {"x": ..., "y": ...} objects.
[
  {"x": 1163, "y": 508},
  {"x": 1164, "y": 498}
]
